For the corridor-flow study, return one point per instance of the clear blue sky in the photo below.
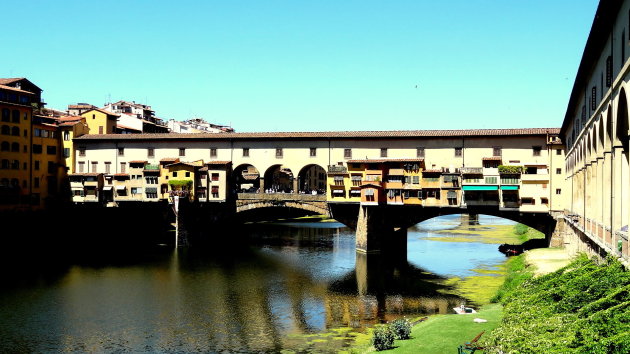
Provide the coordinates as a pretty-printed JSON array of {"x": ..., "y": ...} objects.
[{"x": 307, "y": 65}]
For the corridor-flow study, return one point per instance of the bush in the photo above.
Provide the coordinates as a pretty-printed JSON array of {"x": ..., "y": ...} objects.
[
  {"x": 383, "y": 338},
  {"x": 511, "y": 170},
  {"x": 401, "y": 328},
  {"x": 520, "y": 229}
]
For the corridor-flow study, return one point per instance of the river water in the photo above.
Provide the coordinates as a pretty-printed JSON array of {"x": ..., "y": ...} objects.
[{"x": 291, "y": 285}]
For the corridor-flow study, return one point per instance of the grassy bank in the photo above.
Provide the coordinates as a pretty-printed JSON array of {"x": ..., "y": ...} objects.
[{"x": 581, "y": 308}]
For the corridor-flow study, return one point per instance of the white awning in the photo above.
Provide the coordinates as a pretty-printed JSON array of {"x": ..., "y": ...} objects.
[
  {"x": 369, "y": 192},
  {"x": 107, "y": 188},
  {"x": 121, "y": 188},
  {"x": 77, "y": 188},
  {"x": 338, "y": 191}
]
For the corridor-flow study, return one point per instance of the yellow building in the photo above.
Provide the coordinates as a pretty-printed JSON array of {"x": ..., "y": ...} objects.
[
  {"x": 100, "y": 121},
  {"x": 181, "y": 179},
  {"x": 70, "y": 127},
  {"x": 48, "y": 170},
  {"x": 17, "y": 111}
]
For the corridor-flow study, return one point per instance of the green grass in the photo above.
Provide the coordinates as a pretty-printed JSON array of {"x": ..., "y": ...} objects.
[{"x": 444, "y": 333}]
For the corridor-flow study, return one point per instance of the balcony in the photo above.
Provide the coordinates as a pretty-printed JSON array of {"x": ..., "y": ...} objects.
[
  {"x": 336, "y": 169},
  {"x": 151, "y": 168},
  {"x": 471, "y": 170},
  {"x": 534, "y": 177}
]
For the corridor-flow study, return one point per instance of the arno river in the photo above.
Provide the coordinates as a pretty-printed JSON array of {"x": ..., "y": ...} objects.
[{"x": 288, "y": 283}]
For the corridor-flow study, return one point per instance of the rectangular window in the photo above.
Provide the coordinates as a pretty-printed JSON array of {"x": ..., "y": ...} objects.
[
  {"x": 383, "y": 152},
  {"x": 594, "y": 98},
  {"x": 245, "y": 152},
  {"x": 347, "y": 153},
  {"x": 36, "y": 182},
  {"x": 66, "y": 135},
  {"x": 536, "y": 150},
  {"x": 558, "y": 152},
  {"x": 121, "y": 151},
  {"x": 609, "y": 71},
  {"x": 81, "y": 151},
  {"x": 420, "y": 152},
  {"x": 66, "y": 152},
  {"x": 150, "y": 152},
  {"x": 36, "y": 165},
  {"x": 558, "y": 191},
  {"x": 215, "y": 191},
  {"x": 51, "y": 150},
  {"x": 313, "y": 152},
  {"x": 544, "y": 201},
  {"x": 187, "y": 174},
  {"x": 496, "y": 151},
  {"x": 81, "y": 167},
  {"x": 558, "y": 171},
  {"x": 174, "y": 174},
  {"x": 215, "y": 176},
  {"x": 123, "y": 167},
  {"x": 415, "y": 179},
  {"x": 182, "y": 152},
  {"x": 37, "y": 149},
  {"x": 94, "y": 166},
  {"x": 213, "y": 152},
  {"x": 108, "y": 167},
  {"x": 100, "y": 129},
  {"x": 37, "y": 132},
  {"x": 458, "y": 152},
  {"x": 278, "y": 152},
  {"x": 52, "y": 167}
]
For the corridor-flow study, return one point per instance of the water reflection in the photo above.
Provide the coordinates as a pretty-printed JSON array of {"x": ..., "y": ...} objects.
[{"x": 246, "y": 296}]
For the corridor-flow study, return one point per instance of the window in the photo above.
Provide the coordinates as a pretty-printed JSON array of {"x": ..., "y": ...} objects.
[
  {"x": 558, "y": 171},
  {"x": 213, "y": 152},
  {"x": 544, "y": 201},
  {"x": 66, "y": 135},
  {"x": 609, "y": 71},
  {"x": 15, "y": 117},
  {"x": 415, "y": 179},
  {"x": 66, "y": 152},
  {"x": 182, "y": 151},
  {"x": 383, "y": 152},
  {"x": 558, "y": 191},
  {"x": 347, "y": 153},
  {"x": 215, "y": 191},
  {"x": 338, "y": 180},
  {"x": 623, "y": 46},
  {"x": 536, "y": 150},
  {"x": 108, "y": 167},
  {"x": 528, "y": 201},
  {"x": 36, "y": 182},
  {"x": 81, "y": 151},
  {"x": 37, "y": 149},
  {"x": 123, "y": 167},
  {"x": 94, "y": 166},
  {"x": 51, "y": 150},
  {"x": 100, "y": 129},
  {"x": 6, "y": 130},
  {"x": 187, "y": 174},
  {"x": 6, "y": 115},
  {"x": 420, "y": 152},
  {"x": 150, "y": 152},
  {"x": 245, "y": 152},
  {"x": 121, "y": 151},
  {"x": 458, "y": 152},
  {"x": 313, "y": 152},
  {"x": 81, "y": 167},
  {"x": 36, "y": 165},
  {"x": 594, "y": 98},
  {"x": 558, "y": 152},
  {"x": 15, "y": 131},
  {"x": 278, "y": 152},
  {"x": 215, "y": 176},
  {"x": 52, "y": 167},
  {"x": 25, "y": 133},
  {"x": 496, "y": 151}
]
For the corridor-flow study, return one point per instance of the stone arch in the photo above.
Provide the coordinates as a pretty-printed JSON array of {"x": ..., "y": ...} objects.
[
  {"x": 609, "y": 130},
  {"x": 315, "y": 208},
  {"x": 279, "y": 178},
  {"x": 246, "y": 178},
  {"x": 312, "y": 177},
  {"x": 600, "y": 134},
  {"x": 621, "y": 131}
]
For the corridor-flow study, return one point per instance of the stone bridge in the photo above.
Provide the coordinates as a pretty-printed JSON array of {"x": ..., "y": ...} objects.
[{"x": 312, "y": 203}]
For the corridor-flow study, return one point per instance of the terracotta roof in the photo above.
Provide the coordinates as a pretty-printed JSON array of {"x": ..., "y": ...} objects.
[
  {"x": 333, "y": 134},
  {"x": 203, "y": 169},
  {"x": 169, "y": 159},
  {"x": 69, "y": 118},
  {"x": 432, "y": 170},
  {"x": 182, "y": 163},
  {"x": 138, "y": 161},
  {"x": 85, "y": 174},
  {"x": 218, "y": 162},
  {"x": 102, "y": 111},
  {"x": 121, "y": 174},
  {"x": 14, "y": 89},
  {"x": 126, "y": 127},
  {"x": 385, "y": 160},
  {"x": 10, "y": 80},
  {"x": 493, "y": 158}
]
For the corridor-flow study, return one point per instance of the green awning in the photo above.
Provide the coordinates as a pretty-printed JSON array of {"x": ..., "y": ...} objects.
[
  {"x": 480, "y": 188},
  {"x": 509, "y": 188}
]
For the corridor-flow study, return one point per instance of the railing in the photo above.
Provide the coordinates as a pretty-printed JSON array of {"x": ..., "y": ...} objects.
[
  {"x": 151, "y": 167},
  {"x": 281, "y": 196}
]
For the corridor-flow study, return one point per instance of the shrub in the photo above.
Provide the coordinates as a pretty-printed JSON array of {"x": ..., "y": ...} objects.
[
  {"x": 383, "y": 338},
  {"x": 181, "y": 183},
  {"x": 520, "y": 229},
  {"x": 510, "y": 170},
  {"x": 401, "y": 328}
]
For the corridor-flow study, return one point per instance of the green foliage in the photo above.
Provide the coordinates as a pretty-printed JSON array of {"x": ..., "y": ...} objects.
[
  {"x": 383, "y": 338},
  {"x": 516, "y": 275},
  {"x": 520, "y": 229},
  {"x": 401, "y": 328},
  {"x": 583, "y": 307},
  {"x": 180, "y": 183},
  {"x": 510, "y": 170}
]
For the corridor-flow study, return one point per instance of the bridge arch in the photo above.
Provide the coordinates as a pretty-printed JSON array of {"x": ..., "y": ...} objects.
[
  {"x": 600, "y": 130},
  {"x": 313, "y": 208},
  {"x": 246, "y": 178},
  {"x": 621, "y": 179},
  {"x": 312, "y": 177}
]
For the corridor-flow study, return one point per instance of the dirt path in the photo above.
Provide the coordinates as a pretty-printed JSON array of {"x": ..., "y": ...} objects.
[{"x": 547, "y": 260}]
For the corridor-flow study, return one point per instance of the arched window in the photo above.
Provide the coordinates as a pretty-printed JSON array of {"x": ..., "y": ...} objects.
[
  {"x": 6, "y": 130},
  {"x": 15, "y": 147},
  {"x": 4, "y": 146},
  {"x": 15, "y": 165},
  {"x": 15, "y": 131},
  {"x": 6, "y": 115},
  {"x": 5, "y": 164},
  {"x": 16, "y": 116}
]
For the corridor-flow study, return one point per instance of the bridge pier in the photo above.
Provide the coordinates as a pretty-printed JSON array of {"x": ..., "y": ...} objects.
[{"x": 376, "y": 233}]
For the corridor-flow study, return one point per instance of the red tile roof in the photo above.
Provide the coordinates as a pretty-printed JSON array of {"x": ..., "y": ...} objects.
[
  {"x": 493, "y": 158},
  {"x": 10, "y": 80},
  {"x": 218, "y": 162},
  {"x": 169, "y": 159},
  {"x": 102, "y": 111},
  {"x": 385, "y": 160},
  {"x": 138, "y": 161},
  {"x": 396, "y": 134},
  {"x": 14, "y": 89}
]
